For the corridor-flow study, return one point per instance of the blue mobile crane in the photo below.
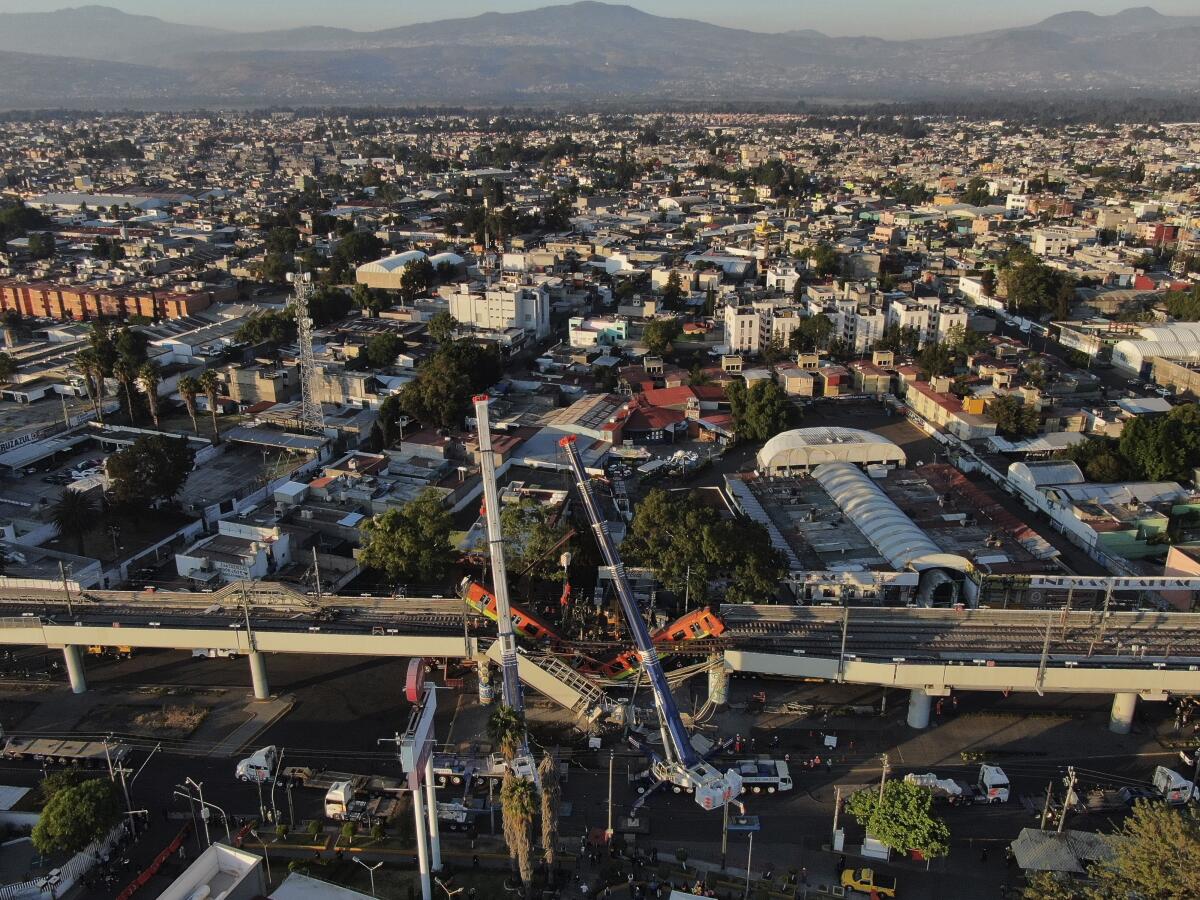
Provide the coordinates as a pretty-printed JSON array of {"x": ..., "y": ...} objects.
[{"x": 679, "y": 764}]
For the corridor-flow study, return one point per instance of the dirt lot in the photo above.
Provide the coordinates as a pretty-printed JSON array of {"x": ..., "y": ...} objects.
[{"x": 168, "y": 720}]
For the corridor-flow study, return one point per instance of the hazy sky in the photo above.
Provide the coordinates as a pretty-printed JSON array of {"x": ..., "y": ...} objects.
[{"x": 882, "y": 18}]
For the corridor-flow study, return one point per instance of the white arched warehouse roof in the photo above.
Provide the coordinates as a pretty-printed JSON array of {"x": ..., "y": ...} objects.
[
  {"x": 452, "y": 259},
  {"x": 885, "y": 525},
  {"x": 805, "y": 448},
  {"x": 391, "y": 263}
]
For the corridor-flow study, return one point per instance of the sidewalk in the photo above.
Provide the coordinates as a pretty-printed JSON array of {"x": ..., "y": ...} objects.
[{"x": 262, "y": 715}]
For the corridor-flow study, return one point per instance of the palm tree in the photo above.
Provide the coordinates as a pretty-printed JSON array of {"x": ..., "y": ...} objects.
[
  {"x": 189, "y": 387},
  {"x": 551, "y": 797},
  {"x": 506, "y": 731},
  {"x": 517, "y": 806},
  {"x": 126, "y": 372},
  {"x": 209, "y": 383},
  {"x": 87, "y": 363},
  {"x": 148, "y": 378},
  {"x": 74, "y": 515}
]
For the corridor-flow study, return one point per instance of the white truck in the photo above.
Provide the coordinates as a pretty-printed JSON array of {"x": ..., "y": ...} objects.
[
  {"x": 991, "y": 786},
  {"x": 764, "y": 775},
  {"x": 343, "y": 804},
  {"x": 259, "y": 766},
  {"x": 1173, "y": 787}
]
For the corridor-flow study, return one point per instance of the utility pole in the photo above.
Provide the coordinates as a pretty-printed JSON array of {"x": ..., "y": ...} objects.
[
  {"x": 66, "y": 587},
  {"x": 837, "y": 808},
  {"x": 842, "y": 653},
  {"x": 724, "y": 835},
  {"x": 749, "y": 856},
  {"x": 883, "y": 778},
  {"x": 1046, "y": 805},
  {"x": 612, "y": 755},
  {"x": 317, "y": 574},
  {"x": 1041, "y": 672},
  {"x": 1062, "y": 820}
]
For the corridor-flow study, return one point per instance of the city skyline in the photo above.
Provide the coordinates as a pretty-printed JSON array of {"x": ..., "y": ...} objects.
[{"x": 871, "y": 18}]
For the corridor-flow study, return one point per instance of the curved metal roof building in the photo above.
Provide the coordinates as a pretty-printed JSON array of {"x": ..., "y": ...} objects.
[
  {"x": 885, "y": 525},
  {"x": 806, "y": 448}
]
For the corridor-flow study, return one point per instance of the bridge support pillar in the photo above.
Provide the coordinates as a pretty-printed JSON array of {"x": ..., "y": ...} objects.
[
  {"x": 718, "y": 681},
  {"x": 258, "y": 675},
  {"x": 919, "y": 703},
  {"x": 1120, "y": 720},
  {"x": 75, "y": 668}
]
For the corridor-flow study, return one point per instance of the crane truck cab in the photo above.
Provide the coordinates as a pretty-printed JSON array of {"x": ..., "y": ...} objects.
[
  {"x": 338, "y": 799},
  {"x": 258, "y": 766}
]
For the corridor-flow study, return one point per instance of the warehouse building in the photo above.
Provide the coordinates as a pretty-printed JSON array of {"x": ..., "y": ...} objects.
[{"x": 803, "y": 449}]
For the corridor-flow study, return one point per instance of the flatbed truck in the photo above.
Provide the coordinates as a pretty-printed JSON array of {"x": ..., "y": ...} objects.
[
  {"x": 91, "y": 754},
  {"x": 324, "y": 779}
]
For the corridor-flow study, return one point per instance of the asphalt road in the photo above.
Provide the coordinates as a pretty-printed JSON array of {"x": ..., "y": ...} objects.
[{"x": 344, "y": 708}]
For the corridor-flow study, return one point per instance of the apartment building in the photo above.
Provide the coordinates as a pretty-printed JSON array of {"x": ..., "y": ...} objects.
[{"x": 502, "y": 306}]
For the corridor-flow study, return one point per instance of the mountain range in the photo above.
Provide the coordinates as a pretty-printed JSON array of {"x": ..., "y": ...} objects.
[{"x": 97, "y": 56}]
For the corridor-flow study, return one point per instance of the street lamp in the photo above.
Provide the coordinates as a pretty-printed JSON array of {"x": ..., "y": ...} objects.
[
  {"x": 445, "y": 887},
  {"x": 266, "y": 855},
  {"x": 749, "y": 854},
  {"x": 371, "y": 871}
]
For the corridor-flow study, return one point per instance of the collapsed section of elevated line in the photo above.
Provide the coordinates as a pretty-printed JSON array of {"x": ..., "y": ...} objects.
[{"x": 893, "y": 534}]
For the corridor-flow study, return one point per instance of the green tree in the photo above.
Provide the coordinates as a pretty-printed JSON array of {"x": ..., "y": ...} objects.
[
  {"x": 976, "y": 193},
  {"x": 551, "y": 798},
  {"x": 1165, "y": 448},
  {"x": 189, "y": 389},
  {"x": 77, "y": 816},
  {"x": 416, "y": 279},
  {"x": 152, "y": 469},
  {"x": 936, "y": 359},
  {"x": 442, "y": 326},
  {"x": 1013, "y": 417},
  {"x": 760, "y": 411},
  {"x": 439, "y": 395},
  {"x": 125, "y": 371},
  {"x": 8, "y": 367},
  {"x": 411, "y": 544},
  {"x": 87, "y": 363},
  {"x": 268, "y": 328},
  {"x": 658, "y": 334},
  {"x": 381, "y": 350},
  {"x": 517, "y": 806},
  {"x": 529, "y": 535},
  {"x": 1154, "y": 855},
  {"x": 74, "y": 515},
  {"x": 902, "y": 820},
  {"x": 687, "y": 547},
  {"x": 812, "y": 333},
  {"x": 368, "y": 300},
  {"x": 283, "y": 240},
  {"x": 148, "y": 379},
  {"x": 1099, "y": 458},
  {"x": 42, "y": 245},
  {"x": 672, "y": 291},
  {"x": 506, "y": 731},
  {"x": 1034, "y": 288},
  {"x": 210, "y": 384},
  {"x": 1184, "y": 305}
]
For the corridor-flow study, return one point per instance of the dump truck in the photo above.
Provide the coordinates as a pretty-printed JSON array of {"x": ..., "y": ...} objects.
[{"x": 869, "y": 881}]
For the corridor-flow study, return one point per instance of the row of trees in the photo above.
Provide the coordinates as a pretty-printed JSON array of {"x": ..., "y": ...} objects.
[
  {"x": 691, "y": 549},
  {"x": 441, "y": 392},
  {"x": 1160, "y": 448}
]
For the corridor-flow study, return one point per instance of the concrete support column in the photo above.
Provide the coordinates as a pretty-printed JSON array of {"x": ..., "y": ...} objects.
[
  {"x": 1120, "y": 720},
  {"x": 75, "y": 668},
  {"x": 422, "y": 848},
  {"x": 435, "y": 842},
  {"x": 919, "y": 703},
  {"x": 718, "y": 681},
  {"x": 258, "y": 675}
]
